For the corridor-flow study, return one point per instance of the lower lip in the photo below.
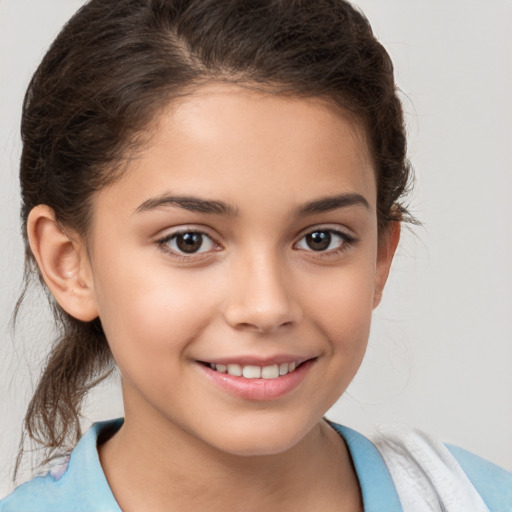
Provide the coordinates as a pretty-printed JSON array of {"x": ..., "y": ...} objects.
[{"x": 259, "y": 389}]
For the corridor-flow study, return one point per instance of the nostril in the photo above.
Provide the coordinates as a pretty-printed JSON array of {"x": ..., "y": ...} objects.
[
  {"x": 263, "y": 327},
  {"x": 247, "y": 326}
]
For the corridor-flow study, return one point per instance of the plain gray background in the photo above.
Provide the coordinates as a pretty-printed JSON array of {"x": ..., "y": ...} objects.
[{"x": 440, "y": 353}]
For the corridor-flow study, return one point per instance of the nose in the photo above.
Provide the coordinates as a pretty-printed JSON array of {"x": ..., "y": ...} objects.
[{"x": 262, "y": 298}]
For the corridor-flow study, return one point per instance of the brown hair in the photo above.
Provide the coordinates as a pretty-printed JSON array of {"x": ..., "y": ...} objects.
[{"x": 111, "y": 69}]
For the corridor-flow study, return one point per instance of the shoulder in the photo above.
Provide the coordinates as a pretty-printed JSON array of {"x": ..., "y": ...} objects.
[
  {"x": 36, "y": 493},
  {"x": 76, "y": 484},
  {"x": 445, "y": 474},
  {"x": 492, "y": 482}
]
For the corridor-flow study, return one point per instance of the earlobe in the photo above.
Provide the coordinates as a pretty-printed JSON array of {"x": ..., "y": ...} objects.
[
  {"x": 386, "y": 250},
  {"x": 63, "y": 263}
]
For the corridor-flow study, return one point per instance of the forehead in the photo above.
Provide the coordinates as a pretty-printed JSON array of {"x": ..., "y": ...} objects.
[{"x": 245, "y": 145}]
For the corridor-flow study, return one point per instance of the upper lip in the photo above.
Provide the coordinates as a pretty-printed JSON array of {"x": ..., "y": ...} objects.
[{"x": 245, "y": 360}]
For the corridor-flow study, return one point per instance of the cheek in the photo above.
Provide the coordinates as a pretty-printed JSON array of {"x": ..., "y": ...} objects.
[
  {"x": 343, "y": 305},
  {"x": 149, "y": 312},
  {"x": 340, "y": 313}
]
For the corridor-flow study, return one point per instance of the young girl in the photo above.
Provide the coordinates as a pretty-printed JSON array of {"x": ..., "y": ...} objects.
[{"x": 212, "y": 194}]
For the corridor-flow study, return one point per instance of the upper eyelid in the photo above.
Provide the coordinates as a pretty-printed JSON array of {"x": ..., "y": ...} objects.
[
  {"x": 161, "y": 240},
  {"x": 163, "y": 244},
  {"x": 343, "y": 231},
  {"x": 348, "y": 240},
  {"x": 177, "y": 230}
]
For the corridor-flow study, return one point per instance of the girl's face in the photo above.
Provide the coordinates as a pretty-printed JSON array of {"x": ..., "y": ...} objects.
[{"x": 242, "y": 240}]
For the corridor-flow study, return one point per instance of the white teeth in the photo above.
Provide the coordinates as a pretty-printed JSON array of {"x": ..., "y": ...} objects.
[
  {"x": 283, "y": 368},
  {"x": 255, "y": 372},
  {"x": 234, "y": 369},
  {"x": 251, "y": 372},
  {"x": 270, "y": 372},
  {"x": 222, "y": 368}
]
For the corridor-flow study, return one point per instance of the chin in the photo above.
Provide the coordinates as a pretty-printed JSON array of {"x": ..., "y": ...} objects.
[{"x": 259, "y": 439}]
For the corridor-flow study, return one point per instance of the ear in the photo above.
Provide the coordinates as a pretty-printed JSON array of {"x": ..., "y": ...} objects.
[
  {"x": 63, "y": 263},
  {"x": 388, "y": 243}
]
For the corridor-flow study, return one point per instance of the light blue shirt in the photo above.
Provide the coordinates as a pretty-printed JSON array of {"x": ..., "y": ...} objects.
[{"x": 81, "y": 486}]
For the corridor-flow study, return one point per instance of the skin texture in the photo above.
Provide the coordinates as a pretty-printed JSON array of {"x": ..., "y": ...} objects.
[{"x": 255, "y": 290}]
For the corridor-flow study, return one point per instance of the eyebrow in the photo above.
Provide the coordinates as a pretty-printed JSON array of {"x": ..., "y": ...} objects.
[
  {"x": 195, "y": 204},
  {"x": 192, "y": 204},
  {"x": 327, "y": 204}
]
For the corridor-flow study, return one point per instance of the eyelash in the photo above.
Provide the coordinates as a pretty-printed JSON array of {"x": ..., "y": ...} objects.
[
  {"x": 345, "y": 241},
  {"x": 165, "y": 242}
]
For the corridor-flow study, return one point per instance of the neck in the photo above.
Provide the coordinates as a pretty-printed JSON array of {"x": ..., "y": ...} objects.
[{"x": 150, "y": 466}]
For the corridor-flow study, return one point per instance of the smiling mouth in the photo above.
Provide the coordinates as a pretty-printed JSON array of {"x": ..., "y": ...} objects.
[{"x": 250, "y": 371}]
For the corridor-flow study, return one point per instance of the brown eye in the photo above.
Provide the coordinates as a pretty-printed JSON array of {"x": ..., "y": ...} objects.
[
  {"x": 189, "y": 242},
  {"x": 324, "y": 240},
  {"x": 319, "y": 240}
]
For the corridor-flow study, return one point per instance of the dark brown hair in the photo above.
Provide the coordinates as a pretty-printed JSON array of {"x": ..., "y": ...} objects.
[{"x": 116, "y": 63}]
